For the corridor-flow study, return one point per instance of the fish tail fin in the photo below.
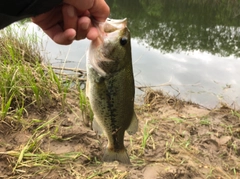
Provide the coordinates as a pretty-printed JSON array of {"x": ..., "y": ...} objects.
[{"x": 120, "y": 156}]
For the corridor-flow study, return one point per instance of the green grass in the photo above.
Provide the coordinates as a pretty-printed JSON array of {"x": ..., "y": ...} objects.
[
  {"x": 27, "y": 86},
  {"x": 23, "y": 80},
  {"x": 235, "y": 113},
  {"x": 205, "y": 122},
  {"x": 177, "y": 120},
  {"x": 25, "y": 83},
  {"x": 84, "y": 105},
  {"x": 146, "y": 136}
]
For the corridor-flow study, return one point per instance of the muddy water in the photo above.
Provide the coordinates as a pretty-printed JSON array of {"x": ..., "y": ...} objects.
[{"x": 186, "y": 48}]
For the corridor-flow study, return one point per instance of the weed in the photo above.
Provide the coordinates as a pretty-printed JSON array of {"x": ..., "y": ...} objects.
[
  {"x": 177, "y": 120},
  {"x": 205, "y": 122},
  {"x": 24, "y": 82},
  {"x": 5, "y": 106},
  {"x": 146, "y": 135},
  {"x": 169, "y": 148},
  {"x": 228, "y": 128},
  {"x": 235, "y": 113},
  {"x": 186, "y": 143},
  {"x": 210, "y": 175},
  {"x": 85, "y": 108}
]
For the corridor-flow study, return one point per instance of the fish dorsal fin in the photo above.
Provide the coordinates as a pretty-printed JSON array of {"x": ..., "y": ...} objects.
[{"x": 133, "y": 128}]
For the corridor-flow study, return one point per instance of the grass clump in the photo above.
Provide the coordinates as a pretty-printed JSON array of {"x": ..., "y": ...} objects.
[
  {"x": 24, "y": 81},
  {"x": 28, "y": 90}
]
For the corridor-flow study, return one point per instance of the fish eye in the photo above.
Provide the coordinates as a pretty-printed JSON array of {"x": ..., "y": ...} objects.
[{"x": 123, "y": 41}]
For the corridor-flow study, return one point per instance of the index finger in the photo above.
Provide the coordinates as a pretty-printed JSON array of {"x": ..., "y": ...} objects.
[{"x": 100, "y": 10}]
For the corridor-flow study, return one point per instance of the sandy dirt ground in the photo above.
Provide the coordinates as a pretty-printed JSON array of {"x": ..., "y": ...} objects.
[{"x": 176, "y": 139}]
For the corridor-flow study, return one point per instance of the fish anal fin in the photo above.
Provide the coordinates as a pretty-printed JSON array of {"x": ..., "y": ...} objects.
[{"x": 133, "y": 127}]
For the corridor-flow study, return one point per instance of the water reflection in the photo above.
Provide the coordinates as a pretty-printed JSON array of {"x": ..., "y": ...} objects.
[
  {"x": 197, "y": 76},
  {"x": 183, "y": 25},
  {"x": 190, "y": 46}
]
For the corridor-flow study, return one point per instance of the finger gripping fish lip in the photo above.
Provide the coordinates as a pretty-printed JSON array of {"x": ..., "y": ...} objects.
[{"x": 110, "y": 25}]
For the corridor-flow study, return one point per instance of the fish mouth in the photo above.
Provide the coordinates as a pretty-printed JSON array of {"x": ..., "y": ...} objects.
[
  {"x": 109, "y": 26},
  {"x": 112, "y": 25}
]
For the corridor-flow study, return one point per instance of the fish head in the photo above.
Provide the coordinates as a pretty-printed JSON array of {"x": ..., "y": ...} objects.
[{"x": 113, "y": 46}]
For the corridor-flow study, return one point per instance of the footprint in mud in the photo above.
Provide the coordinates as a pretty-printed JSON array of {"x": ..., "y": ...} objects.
[{"x": 210, "y": 145}]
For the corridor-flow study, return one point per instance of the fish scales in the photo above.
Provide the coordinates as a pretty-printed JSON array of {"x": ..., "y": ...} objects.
[{"x": 110, "y": 87}]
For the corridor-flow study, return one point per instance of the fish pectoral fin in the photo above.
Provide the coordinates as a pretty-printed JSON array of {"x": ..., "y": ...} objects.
[
  {"x": 96, "y": 127},
  {"x": 133, "y": 127},
  {"x": 98, "y": 74},
  {"x": 99, "y": 79}
]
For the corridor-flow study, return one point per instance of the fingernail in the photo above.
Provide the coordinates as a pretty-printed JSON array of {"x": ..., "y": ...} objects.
[
  {"x": 70, "y": 11},
  {"x": 71, "y": 38},
  {"x": 85, "y": 26}
]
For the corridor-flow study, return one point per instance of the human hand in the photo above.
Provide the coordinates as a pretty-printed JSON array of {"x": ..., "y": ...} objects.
[{"x": 72, "y": 20}]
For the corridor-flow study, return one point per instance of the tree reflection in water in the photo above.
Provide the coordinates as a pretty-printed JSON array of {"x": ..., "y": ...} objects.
[{"x": 183, "y": 25}]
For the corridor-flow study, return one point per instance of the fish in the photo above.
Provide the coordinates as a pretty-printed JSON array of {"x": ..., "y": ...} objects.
[{"x": 110, "y": 87}]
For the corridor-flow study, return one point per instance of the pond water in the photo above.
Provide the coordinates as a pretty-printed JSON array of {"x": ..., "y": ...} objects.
[{"x": 184, "y": 47}]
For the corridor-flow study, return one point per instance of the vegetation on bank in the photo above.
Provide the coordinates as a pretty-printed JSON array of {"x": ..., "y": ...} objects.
[
  {"x": 25, "y": 81},
  {"x": 29, "y": 89}
]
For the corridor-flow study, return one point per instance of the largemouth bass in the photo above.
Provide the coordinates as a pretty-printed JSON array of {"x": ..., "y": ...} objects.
[{"x": 110, "y": 87}]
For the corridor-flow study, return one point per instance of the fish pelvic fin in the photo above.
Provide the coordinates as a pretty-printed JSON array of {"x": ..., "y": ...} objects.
[
  {"x": 120, "y": 156},
  {"x": 133, "y": 127},
  {"x": 96, "y": 127}
]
